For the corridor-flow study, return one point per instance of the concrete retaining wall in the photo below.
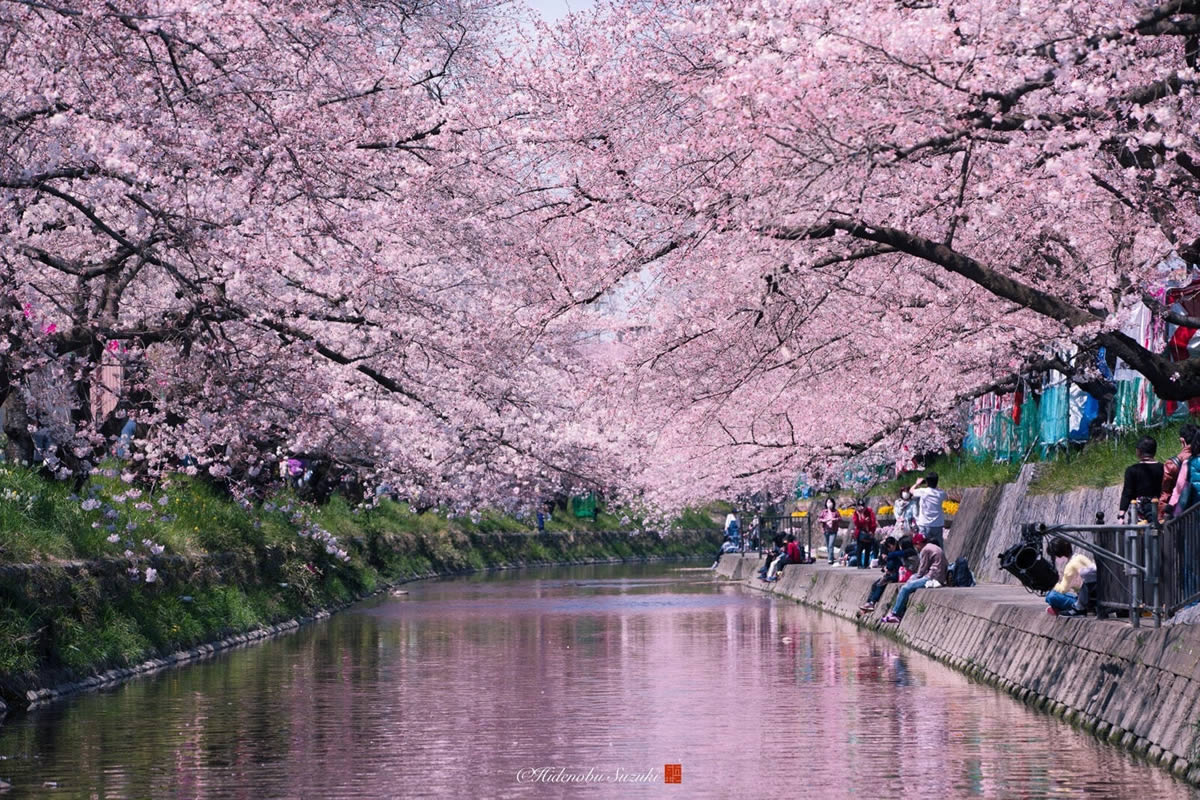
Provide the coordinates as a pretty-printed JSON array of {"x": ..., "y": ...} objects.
[
  {"x": 988, "y": 519},
  {"x": 1135, "y": 687}
]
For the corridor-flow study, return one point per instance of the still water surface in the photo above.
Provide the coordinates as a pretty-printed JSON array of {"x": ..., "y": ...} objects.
[{"x": 494, "y": 685}]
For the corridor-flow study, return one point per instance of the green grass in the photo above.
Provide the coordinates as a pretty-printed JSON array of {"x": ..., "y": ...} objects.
[
  {"x": 956, "y": 471},
  {"x": 36, "y": 518},
  {"x": 46, "y": 520},
  {"x": 1095, "y": 465},
  {"x": 1100, "y": 464},
  {"x": 18, "y": 641}
]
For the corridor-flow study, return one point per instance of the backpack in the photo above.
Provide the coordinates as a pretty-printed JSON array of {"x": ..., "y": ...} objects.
[{"x": 960, "y": 573}]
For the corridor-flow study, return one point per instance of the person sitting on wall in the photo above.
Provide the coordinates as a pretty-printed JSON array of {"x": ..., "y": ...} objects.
[
  {"x": 910, "y": 560},
  {"x": 1076, "y": 584},
  {"x": 795, "y": 552},
  {"x": 779, "y": 549},
  {"x": 1143, "y": 481},
  {"x": 931, "y": 567},
  {"x": 892, "y": 558},
  {"x": 791, "y": 555},
  {"x": 728, "y": 546},
  {"x": 850, "y": 551}
]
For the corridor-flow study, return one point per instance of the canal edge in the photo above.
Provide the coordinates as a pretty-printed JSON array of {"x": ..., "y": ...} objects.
[
  {"x": 962, "y": 629},
  {"x": 111, "y": 678}
]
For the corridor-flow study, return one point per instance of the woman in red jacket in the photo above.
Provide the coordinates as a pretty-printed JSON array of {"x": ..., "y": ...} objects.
[{"x": 865, "y": 526}]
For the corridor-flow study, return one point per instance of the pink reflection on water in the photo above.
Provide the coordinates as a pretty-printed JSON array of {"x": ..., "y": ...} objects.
[{"x": 462, "y": 685}]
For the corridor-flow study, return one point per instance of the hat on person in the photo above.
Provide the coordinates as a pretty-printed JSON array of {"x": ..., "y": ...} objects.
[{"x": 918, "y": 540}]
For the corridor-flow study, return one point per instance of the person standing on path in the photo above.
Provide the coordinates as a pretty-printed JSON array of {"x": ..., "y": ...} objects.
[
  {"x": 1174, "y": 480},
  {"x": 865, "y": 526},
  {"x": 733, "y": 528},
  {"x": 905, "y": 510},
  {"x": 1173, "y": 493},
  {"x": 931, "y": 519},
  {"x": 830, "y": 520},
  {"x": 1143, "y": 480}
]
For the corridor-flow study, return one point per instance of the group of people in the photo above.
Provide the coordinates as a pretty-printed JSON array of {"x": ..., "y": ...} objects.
[
  {"x": 914, "y": 562},
  {"x": 917, "y": 510},
  {"x": 912, "y": 553},
  {"x": 786, "y": 551},
  {"x": 1175, "y": 485}
]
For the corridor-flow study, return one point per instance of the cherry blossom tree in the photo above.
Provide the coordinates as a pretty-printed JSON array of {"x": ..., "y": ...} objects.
[
  {"x": 833, "y": 222},
  {"x": 267, "y": 214},
  {"x": 678, "y": 250}
]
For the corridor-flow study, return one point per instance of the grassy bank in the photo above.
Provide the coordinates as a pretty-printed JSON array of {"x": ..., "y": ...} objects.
[
  {"x": 109, "y": 575},
  {"x": 1095, "y": 465}
]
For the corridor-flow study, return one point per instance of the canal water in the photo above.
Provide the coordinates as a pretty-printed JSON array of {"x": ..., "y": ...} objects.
[{"x": 591, "y": 681}]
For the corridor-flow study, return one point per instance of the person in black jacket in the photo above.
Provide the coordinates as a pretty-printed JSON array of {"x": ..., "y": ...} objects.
[
  {"x": 1143, "y": 481},
  {"x": 893, "y": 555}
]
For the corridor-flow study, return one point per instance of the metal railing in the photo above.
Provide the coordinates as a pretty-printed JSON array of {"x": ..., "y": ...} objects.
[
  {"x": 771, "y": 526},
  {"x": 1128, "y": 566},
  {"x": 1180, "y": 554},
  {"x": 1128, "y": 570},
  {"x": 1141, "y": 568}
]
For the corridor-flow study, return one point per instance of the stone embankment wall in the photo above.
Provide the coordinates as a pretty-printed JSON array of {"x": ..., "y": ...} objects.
[
  {"x": 1135, "y": 687},
  {"x": 988, "y": 519}
]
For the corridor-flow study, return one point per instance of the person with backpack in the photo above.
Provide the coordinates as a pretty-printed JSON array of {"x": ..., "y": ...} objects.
[
  {"x": 1190, "y": 491},
  {"x": 733, "y": 528},
  {"x": 932, "y": 567}
]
